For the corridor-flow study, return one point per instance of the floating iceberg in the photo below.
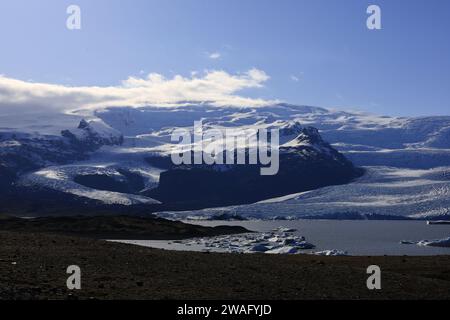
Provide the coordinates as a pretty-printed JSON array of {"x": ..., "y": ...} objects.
[
  {"x": 259, "y": 248},
  {"x": 283, "y": 250},
  {"x": 280, "y": 242},
  {"x": 435, "y": 243},
  {"x": 284, "y": 229},
  {"x": 305, "y": 245},
  {"x": 331, "y": 253},
  {"x": 445, "y": 243},
  {"x": 408, "y": 242},
  {"x": 439, "y": 222}
]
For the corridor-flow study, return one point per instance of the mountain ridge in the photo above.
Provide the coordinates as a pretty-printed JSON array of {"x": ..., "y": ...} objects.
[{"x": 68, "y": 152}]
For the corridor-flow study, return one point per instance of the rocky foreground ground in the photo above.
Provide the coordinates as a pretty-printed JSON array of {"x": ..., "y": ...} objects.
[{"x": 33, "y": 266}]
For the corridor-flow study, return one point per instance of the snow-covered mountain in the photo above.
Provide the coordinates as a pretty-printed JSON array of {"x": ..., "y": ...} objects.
[
  {"x": 93, "y": 134},
  {"x": 103, "y": 155},
  {"x": 23, "y": 150},
  {"x": 364, "y": 138},
  {"x": 305, "y": 163}
]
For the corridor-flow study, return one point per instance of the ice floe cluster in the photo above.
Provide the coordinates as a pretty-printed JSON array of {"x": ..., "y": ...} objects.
[
  {"x": 278, "y": 241},
  {"x": 430, "y": 243}
]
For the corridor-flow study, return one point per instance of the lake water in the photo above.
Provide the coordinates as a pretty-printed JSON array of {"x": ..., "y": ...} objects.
[{"x": 356, "y": 237}]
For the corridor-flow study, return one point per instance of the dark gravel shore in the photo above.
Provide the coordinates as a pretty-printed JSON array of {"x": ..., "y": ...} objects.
[
  {"x": 115, "y": 227},
  {"x": 33, "y": 266}
]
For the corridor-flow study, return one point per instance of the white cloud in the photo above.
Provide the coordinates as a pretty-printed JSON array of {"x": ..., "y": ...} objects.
[
  {"x": 295, "y": 78},
  {"x": 214, "y": 86},
  {"x": 215, "y": 55}
]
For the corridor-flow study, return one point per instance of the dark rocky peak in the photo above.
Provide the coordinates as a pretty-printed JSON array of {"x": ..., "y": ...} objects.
[
  {"x": 310, "y": 135},
  {"x": 291, "y": 128},
  {"x": 83, "y": 124}
]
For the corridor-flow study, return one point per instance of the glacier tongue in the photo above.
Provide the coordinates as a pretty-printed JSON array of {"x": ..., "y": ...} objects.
[
  {"x": 61, "y": 178},
  {"x": 383, "y": 192}
]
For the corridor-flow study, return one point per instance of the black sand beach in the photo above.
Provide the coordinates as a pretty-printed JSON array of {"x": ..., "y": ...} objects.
[{"x": 33, "y": 266}]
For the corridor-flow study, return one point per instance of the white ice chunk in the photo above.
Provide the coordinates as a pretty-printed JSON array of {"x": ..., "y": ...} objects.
[
  {"x": 283, "y": 250},
  {"x": 435, "y": 243},
  {"x": 333, "y": 252}
]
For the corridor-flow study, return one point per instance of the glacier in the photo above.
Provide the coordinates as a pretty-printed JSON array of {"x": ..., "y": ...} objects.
[
  {"x": 383, "y": 192},
  {"x": 407, "y": 159}
]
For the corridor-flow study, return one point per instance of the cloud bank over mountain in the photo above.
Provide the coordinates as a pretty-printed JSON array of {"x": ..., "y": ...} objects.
[{"x": 213, "y": 86}]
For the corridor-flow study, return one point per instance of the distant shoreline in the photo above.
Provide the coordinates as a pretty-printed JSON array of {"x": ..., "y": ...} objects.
[{"x": 115, "y": 227}]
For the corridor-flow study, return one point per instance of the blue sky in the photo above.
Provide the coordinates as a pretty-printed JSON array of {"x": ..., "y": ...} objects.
[{"x": 315, "y": 52}]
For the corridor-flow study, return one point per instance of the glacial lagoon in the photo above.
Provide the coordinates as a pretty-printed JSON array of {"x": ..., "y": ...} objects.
[{"x": 359, "y": 238}]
